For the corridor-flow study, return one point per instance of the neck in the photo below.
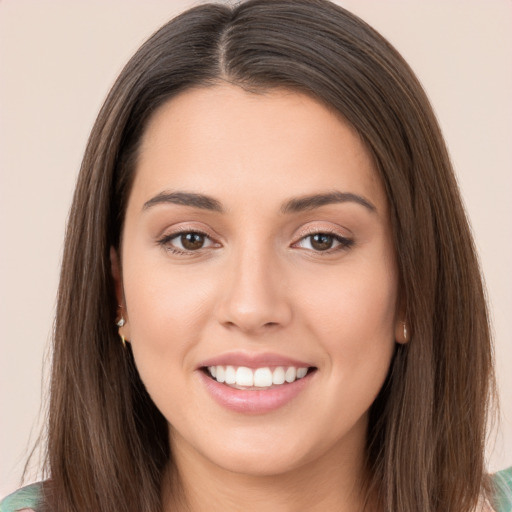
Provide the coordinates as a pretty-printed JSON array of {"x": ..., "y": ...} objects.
[{"x": 330, "y": 482}]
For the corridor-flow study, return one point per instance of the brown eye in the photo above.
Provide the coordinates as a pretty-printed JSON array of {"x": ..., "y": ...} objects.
[
  {"x": 324, "y": 242},
  {"x": 192, "y": 241},
  {"x": 321, "y": 241},
  {"x": 186, "y": 242}
]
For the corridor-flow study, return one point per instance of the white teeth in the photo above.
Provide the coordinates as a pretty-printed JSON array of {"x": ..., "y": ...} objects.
[
  {"x": 278, "y": 377},
  {"x": 263, "y": 378},
  {"x": 258, "y": 378},
  {"x": 244, "y": 376},
  {"x": 220, "y": 374},
  {"x": 291, "y": 374},
  {"x": 301, "y": 372},
  {"x": 230, "y": 375}
]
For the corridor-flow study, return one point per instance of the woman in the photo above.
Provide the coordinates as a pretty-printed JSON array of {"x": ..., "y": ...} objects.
[{"x": 269, "y": 293}]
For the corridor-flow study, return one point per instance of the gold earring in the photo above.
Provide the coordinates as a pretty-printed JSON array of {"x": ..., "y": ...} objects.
[
  {"x": 405, "y": 332},
  {"x": 120, "y": 324}
]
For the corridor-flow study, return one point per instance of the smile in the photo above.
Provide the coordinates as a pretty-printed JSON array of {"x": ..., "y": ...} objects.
[
  {"x": 256, "y": 387},
  {"x": 245, "y": 378}
]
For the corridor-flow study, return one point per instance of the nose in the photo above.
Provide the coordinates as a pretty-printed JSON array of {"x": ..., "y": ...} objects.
[{"x": 254, "y": 298}]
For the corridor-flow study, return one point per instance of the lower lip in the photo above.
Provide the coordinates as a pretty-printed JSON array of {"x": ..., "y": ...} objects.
[{"x": 254, "y": 401}]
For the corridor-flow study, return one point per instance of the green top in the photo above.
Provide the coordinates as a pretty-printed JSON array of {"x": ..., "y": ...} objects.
[
  {"x": 26, "y": 497},
  {"x": 503, "y": 485},
  {"x": 29, "y": 497}
]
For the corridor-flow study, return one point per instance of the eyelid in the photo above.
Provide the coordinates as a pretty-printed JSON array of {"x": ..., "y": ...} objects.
[
  {"x": 170, "y": 234},
  {"x": 183, "y": 227},
  {"x": 330, "y": 230},
  {"x": 344, "y": 242}
]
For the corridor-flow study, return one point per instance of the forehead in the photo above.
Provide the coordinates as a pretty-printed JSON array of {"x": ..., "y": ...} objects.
[{"x": 259, "y": 145}]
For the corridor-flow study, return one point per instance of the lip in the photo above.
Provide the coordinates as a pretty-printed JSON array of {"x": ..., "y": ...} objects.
[
  {"x": 253, "y": 361},
  {"x": 255, "y": 401}
]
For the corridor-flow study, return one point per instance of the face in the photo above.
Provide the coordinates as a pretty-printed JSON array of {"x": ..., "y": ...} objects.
[{"x": 257, "y": 248}]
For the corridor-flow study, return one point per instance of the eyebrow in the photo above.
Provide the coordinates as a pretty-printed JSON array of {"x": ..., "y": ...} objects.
[
  {"x": 294, "y": 205},
  {"x": 310, "y": 202},
  {"x": 201, "y": 201}
]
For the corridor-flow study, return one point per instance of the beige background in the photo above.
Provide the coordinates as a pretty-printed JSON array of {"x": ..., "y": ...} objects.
[{"x": 57, "y": 61}]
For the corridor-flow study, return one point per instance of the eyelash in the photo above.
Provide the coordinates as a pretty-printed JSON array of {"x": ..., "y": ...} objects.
[
  {"x": 165, "y": 241},
  {"x": 344, "y": 243}
]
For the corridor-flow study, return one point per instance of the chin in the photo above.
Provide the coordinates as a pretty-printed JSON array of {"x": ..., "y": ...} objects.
[
  {"x": 265, "y": 453},
  {"x": 260, "y": 463}
]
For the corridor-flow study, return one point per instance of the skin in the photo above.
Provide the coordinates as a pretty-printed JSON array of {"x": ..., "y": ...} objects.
[{"x": 258, "y": 284}]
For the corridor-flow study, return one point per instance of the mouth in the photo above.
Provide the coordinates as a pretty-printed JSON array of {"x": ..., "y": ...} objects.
[
  {"x": 256, "y": 379},
  {"x": 250, "y": 383}
]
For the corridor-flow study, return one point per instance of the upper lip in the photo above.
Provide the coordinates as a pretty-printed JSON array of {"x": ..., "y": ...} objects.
[{"x": 253, "y": 360}]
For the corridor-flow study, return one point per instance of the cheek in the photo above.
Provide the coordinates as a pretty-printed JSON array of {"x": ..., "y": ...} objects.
[
  {"x": 166, "y": 311},
  {"x": 162, "y": 299},
  {"x": 352, "y": 315},
  {"x": 351, "y": 304}
]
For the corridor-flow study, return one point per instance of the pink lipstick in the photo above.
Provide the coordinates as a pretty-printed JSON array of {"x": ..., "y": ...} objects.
[{"x": 255, "y": 383}]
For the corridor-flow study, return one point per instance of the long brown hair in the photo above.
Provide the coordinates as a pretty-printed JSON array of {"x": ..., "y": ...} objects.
[{"x": 107, "y": 442}]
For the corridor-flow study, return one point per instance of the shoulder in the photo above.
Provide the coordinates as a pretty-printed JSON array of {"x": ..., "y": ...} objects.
[
  {"x": 502, "y": 485},
  {"x": 27, "y": 498}
]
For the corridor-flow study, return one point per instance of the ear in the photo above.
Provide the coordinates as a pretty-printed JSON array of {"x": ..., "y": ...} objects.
[
  {"x": 115, "y": 269},
  {"x": 402, "y": 332},
  {"x": 402, "y": 327}
]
